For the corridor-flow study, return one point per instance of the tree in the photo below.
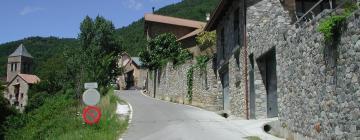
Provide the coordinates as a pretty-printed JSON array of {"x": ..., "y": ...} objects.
[
  {"x": 162, "y": 49},
  {"x": 98, "y": 55},
  {"x": 207, "y": 42},
  {"x": 5, "y": 110}
]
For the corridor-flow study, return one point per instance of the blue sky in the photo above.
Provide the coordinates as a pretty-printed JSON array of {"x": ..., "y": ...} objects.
[{"x": 61, "y": 18}]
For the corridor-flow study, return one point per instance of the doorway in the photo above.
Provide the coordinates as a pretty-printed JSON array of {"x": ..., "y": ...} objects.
[
  {"x": 267, "y": 66},
  {"x": 252, "y": 87},
  {"x": 16, "y": 92},
  {"x": 129, "y": 79},
  {"x": 226, "y": 89}
]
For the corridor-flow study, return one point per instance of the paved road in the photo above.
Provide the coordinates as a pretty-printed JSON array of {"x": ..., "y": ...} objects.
[{"x": 158, "y": 120}]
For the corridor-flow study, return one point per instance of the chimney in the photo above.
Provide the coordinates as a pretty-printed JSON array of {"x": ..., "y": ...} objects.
[
  {"x": 153, "y": 10},
  {"x": 207, "y": 16}
]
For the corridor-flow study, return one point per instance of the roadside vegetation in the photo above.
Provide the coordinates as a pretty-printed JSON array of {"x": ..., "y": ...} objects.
[{"x": 55, "y": 107}]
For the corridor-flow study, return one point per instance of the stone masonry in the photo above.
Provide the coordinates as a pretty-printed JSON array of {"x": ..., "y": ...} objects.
[
  {"x": 315, "y": 92},
  {"x": 171, "y": 85}
]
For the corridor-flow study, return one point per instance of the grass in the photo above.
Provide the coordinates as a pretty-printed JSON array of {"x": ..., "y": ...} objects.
[
  {"x": 253, "y": 138},
  {"x": 57, "y": 119}
]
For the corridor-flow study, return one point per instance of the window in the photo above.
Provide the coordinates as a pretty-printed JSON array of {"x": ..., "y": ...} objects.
[
  {"x": 11, "y": 67},
  {"x": 222, "y": 37},
  {"x": 15, "y": 67},
  {"x": 236, "y": 27}
]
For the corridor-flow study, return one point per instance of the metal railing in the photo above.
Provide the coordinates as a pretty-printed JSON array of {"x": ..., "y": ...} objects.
[{"x": 310, "y": 11}]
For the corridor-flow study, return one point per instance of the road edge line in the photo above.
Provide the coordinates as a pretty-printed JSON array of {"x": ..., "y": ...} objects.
[{"x": 130, "y": 117}]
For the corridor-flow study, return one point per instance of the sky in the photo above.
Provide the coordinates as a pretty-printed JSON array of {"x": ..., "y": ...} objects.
[{"x": 61, "y": 18}]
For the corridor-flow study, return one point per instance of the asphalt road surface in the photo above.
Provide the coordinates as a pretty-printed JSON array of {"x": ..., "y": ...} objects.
[{"x": 159, "y": 120}]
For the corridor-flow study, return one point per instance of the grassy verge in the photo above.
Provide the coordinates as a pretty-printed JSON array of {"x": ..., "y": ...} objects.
[{"x": 58, "y": 119}]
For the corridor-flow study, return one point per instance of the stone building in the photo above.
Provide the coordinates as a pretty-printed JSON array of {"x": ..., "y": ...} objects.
[
  {"x": 273, "y": 62},
  {"x": 19, "y": 78},
  {"x": 135, "y": 74}
]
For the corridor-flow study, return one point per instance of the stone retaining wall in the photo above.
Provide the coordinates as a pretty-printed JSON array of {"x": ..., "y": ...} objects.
[
  {"x": 171, "y": 85},
  {"x": 316, "y": 92}
]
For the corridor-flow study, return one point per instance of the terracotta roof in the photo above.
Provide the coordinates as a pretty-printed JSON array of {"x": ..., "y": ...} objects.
[
  {"x": 21, "y": 51},
  {"x": 174, "y": 21},
  {"x": 31, "y": 79},
  {"x": 194, "y": 33}
]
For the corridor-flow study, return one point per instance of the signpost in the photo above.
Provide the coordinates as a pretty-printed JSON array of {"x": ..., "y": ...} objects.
[
  {"x": 91, "y": 97},
  {"x": 93, "y": 85},
  {"x": 91, "y": 115}
]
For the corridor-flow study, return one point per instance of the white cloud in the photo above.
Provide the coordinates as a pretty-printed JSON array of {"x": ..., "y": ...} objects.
[
  {"x": 133, "y": 4},
  {"x": 28, "y": 9}
]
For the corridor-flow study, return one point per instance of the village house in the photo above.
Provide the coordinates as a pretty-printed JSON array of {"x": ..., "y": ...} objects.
[
  {"x": 170, "y": 83},
  {"x": 274, "y": 63},
  {"x": 19, "y": 78},
  {"x": 134, "y": 76},
  {"x": 185, "y": 30}
]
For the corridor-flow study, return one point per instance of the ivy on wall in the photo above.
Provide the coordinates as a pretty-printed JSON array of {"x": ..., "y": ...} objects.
[
  {"x": 201, "y": 62},
  {"x": 332, "y": 25},
  {"x": 189, "y": 82}
]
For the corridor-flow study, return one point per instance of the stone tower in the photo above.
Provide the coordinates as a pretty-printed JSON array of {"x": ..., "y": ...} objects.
[{"x": 20, "y": 61}]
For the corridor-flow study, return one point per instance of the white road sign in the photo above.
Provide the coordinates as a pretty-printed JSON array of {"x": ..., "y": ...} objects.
[
  {"x": 91, "y": 85},
  {"x": 91, "y": 97}
]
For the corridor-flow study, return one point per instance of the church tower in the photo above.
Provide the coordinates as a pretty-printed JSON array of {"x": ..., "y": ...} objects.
[{"x": 19, "y": 62}]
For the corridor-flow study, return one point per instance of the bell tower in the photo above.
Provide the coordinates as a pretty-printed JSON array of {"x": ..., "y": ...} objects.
[{"x": 19, "y": 62}]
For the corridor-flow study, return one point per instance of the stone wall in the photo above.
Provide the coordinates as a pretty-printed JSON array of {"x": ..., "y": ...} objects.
[
  {"x": 171, "y": 85},
  {"x": 205, "y": 88},
  {"x": 313, "y": 90},
  {"x": 267, "y": 20}
]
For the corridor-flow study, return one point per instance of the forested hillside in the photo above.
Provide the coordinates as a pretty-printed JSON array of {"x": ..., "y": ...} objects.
[
  {"x": 133, "y": 37},
  {"x": 41, "y": 48}
]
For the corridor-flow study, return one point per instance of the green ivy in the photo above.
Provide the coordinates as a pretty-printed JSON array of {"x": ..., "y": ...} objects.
[
  {"x": 332, "y": 24},
  {"x": 189, "y": 82},
  {"x": 201, "y": 62}
]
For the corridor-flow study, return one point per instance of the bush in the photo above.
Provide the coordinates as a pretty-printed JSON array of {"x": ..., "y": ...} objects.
[{"x": 330, "y": 26}]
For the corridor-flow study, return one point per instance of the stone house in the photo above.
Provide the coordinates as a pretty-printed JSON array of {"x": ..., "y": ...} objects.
[
  {"x": 273, "y": 62},
  {"x": 17, "y": 90},
  {"x": 135, "y": 74},
  {"x": 19, "y": 78}
]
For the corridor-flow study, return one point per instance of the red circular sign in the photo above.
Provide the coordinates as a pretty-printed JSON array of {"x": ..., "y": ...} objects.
[{"x": 91, "y": 115}]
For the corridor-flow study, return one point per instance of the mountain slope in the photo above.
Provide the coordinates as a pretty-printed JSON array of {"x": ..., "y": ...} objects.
[
  {"x": 133, "y": 36},
  {"x": 41, "y": 48}
]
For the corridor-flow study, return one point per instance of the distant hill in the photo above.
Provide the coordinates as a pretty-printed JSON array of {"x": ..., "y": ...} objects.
[
  {"x": 133, "y": 36},
  {"x": 40, "y": 48}
]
